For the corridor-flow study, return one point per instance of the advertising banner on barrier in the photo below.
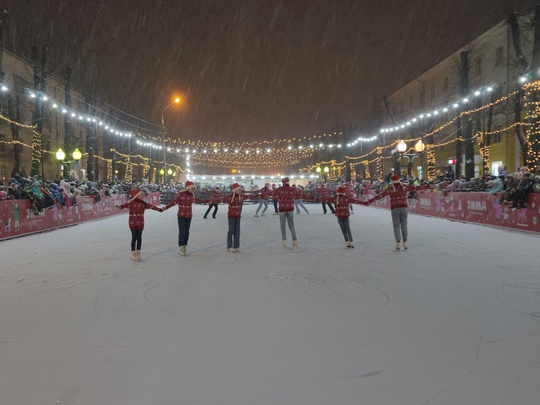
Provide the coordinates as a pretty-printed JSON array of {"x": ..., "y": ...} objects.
[
  {"x": 481, "y": 208},
  {"x": 17, "y": 218}
]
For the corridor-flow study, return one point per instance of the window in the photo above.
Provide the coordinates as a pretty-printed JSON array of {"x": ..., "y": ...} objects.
[
  {"x": 445, "y": 84},
  {"x": 3, "y": 145},
  {"x": 499, "y": 56},
  {"x": 478, "y": 67},
  {"x": 496, "y": 138},
  {"x": 422, "y": 101}
]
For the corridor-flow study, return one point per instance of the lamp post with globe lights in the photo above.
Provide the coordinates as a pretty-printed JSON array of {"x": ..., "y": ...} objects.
[
  {"x": 61, "y": 156},
  {"x": 163, "y": 131}
]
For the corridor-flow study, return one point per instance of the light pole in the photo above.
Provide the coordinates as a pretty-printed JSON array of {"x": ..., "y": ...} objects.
[
  {"x": 163, "y": 130},
  {"x": 61, "y": 155},
  {"x": 418, "y": 147}
]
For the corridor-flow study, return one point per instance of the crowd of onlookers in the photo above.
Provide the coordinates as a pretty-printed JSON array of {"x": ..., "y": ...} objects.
[{"x": 505, "y": 187}]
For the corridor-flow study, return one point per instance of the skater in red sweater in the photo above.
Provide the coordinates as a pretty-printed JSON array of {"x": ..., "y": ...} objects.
[
  {"x": 342, "y": 202},
  {"x": 235, "y": 201},
  {"x": 185, "y": 199},
  {"x": 285, "y": 195},
  {"x": 137, "y": 206},
  {"x": 398, "y": 194}
]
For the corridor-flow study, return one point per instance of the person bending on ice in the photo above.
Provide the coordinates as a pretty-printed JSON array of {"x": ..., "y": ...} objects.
[
  {"x": 137, "y": 206},
  {"x": 342, "y": 202},
  {"x": 184, "y": 199},
  {"x": 398, "y": 193}
]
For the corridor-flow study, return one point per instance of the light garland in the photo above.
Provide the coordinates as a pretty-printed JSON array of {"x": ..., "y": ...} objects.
[
  {"x": 293, "y": 151},
  {"x": 532, "y": 115}
]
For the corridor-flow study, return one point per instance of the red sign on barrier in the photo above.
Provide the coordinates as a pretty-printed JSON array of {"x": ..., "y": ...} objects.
[
  {"x": 17, "y": 218},
  {"x": 481, "y": 208}
]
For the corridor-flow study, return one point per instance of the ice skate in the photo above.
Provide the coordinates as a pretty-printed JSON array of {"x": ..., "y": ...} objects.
[
  {"x": 133, "y": 255},
  {"x": 294, "y": 244},
  {"x": 398, "y": 245},
  {"x": 405, "y": 245},
  {"x": 138, "y": 255},
  {"x": 284, "y": 244},
  {"x": 182, "y": 251}
]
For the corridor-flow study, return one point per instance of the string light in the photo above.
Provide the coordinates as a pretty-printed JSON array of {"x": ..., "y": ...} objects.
[{"x": 532, "y": 115}]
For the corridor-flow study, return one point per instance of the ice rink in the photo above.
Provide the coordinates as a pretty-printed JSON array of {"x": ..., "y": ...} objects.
[{"x": 453, "y": 320}]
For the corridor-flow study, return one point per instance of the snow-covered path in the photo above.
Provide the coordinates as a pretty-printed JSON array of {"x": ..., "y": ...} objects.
[{"x": 454, "y": 320}]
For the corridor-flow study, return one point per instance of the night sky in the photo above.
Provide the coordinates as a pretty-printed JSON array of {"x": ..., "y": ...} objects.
[{"x": 249, "y": 69}]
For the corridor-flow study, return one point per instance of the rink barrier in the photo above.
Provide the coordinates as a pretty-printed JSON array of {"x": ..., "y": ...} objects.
[
  {"x": 17, "y": 218},
  {"x": 479, "y": 208}
]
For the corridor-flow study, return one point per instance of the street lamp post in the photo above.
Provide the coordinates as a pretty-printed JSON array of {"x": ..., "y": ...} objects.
[
  {"x": 163, "y": 130},
  {"x": 402, "y": 147},
  {"x": 61, "y": 155}
]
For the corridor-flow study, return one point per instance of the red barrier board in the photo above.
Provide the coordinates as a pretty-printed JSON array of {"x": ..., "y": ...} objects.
[
  {"x": 17, "y": 219},
  {"x": 481, "y": 208}
]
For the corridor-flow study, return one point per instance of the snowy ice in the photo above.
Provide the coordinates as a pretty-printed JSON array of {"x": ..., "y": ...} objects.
[{"x": 453, "y": 320}]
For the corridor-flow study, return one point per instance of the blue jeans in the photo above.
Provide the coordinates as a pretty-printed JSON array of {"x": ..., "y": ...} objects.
[
  {"x": 287, "y": 216},
  {"x": 183, "y": 230},
  {"x": 233, "y": 236}
]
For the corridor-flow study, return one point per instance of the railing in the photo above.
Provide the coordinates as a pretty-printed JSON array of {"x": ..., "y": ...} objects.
[{"x": 477, "y": 207}]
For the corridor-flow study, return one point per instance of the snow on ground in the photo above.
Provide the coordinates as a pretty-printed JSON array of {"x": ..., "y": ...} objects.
[{"x": 454, "y": 320}]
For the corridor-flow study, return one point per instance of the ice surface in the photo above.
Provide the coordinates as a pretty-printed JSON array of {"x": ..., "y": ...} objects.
[{"x": 454, "y": 320}]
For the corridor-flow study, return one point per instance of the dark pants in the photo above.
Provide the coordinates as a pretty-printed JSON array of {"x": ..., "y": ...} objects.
[
  {"x": 324, "y": 204},
  {"x": 209, "y": 208},
  {"x": 275, "y": 205},
  {"x": 345, "y": 228},
  {"x": 233, "y": 236},
  {"x": 136, "y": 239},
  {"x": 183, "y": 230}
]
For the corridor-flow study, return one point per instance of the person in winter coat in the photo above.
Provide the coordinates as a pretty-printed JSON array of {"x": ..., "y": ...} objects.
[
  {"x": 399, "y": 208},
  {"x": 265, "y": 193},
  {"x": 343, "y": 200},
  {"x": 235, "y": 201},
  {"x": 285, "y": 195},
  {"x": 185, "y": 198},
  {"x": 137, "y": 206},
  {"x": 56, "y": 194},
  {"x": 524, "y": 187}
]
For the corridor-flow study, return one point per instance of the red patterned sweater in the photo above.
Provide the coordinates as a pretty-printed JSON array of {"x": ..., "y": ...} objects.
[
  {"x": 136, "y": 212},
  {"x": 185, "y": 199},
  {"x": 398, "y": 194}
]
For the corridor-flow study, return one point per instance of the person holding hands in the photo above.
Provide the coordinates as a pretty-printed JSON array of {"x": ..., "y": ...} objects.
[
  {"x": 185, "y": 199},
  {"x": 137, "y": 206},
  {"x": 398, "y": 193}
]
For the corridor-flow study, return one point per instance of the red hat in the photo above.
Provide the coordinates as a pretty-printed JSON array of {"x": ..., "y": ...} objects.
[
  {"x": 236, "y": 186},
  {"x": 285, "y": 180},
  {"x": 134, "y": 192},
  {"x": 395, "y": 178},
  {"x": 190, "y": 185}
]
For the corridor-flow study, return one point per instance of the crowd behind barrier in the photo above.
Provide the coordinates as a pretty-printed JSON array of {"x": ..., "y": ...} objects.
[{"x": 512, "y": 200}]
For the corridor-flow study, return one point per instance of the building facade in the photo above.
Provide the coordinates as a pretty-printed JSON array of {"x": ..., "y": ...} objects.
[{"x": 468, "y": 97}]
